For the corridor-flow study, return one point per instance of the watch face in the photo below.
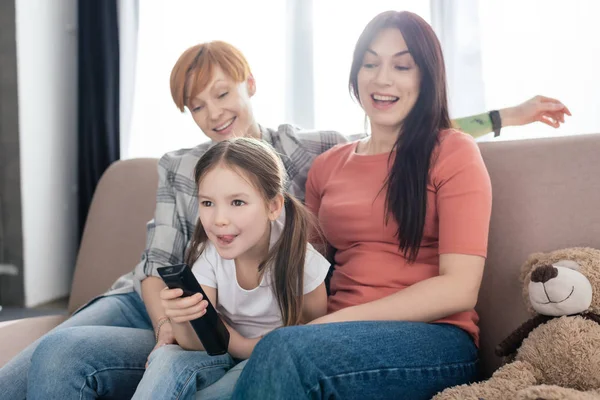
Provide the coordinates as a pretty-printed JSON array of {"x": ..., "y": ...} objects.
[{"x": 496, "y": 122}]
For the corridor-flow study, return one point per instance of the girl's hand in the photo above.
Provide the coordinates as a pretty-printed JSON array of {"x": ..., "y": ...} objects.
[
  {"x": 180, "y": 310},
  {"x": 165, "y": 336},
  {"x": 240, "y": 346},
  {"x": 542, "y": 109}
]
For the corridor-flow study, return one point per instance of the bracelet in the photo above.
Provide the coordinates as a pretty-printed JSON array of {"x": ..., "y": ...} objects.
[
  {"x": 496, "y": 122},
  {"x": 160, "y": 323}
]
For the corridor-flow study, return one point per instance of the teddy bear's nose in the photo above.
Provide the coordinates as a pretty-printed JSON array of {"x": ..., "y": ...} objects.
[{"x": 544, "y": 274}]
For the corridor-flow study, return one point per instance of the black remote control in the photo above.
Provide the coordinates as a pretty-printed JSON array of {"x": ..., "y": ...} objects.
[{"x": 210, "y": 328}]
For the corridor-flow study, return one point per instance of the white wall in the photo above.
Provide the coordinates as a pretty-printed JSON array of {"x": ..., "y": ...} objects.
[{"x": 47, "y": 79}]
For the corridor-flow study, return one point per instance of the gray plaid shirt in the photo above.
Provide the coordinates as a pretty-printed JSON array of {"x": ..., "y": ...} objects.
[{"x": 169, "y": 233}]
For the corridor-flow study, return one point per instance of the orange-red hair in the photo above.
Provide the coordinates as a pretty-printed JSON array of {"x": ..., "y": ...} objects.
[{"x": 194, "y": 69}]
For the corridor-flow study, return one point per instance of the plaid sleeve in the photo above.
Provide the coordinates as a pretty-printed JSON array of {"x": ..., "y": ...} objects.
[
  {"x": 166, "y": 234},
  {"x": 298, "y": 149},
  {"x": 318, "y": 142}
]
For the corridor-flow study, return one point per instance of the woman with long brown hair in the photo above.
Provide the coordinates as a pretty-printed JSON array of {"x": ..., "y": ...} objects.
[{"x": 407, "y": 210}]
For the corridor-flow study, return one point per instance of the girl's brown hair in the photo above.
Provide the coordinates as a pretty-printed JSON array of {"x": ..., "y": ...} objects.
[
  {"x": 261, "y": 165},
  {"x": 194, "y": 69}
]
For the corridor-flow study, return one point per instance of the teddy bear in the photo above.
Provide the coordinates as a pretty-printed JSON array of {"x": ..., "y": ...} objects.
[{"x": 555, "y": 354}]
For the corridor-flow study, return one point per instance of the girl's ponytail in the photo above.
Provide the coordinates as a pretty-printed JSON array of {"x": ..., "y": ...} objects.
[{"x": 288, "y": 257}]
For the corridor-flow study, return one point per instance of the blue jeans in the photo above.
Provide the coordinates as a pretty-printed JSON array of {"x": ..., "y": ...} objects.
[
  {"x": 100, "y": 351},
  {"x": 358, "y": 360},
  {"x": 174, "y": 373}
]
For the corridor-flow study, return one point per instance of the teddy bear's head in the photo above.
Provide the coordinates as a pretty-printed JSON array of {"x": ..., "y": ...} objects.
[{"x": 562, "y": 282}]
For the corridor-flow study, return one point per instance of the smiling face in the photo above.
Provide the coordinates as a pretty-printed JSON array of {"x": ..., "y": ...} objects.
[
  {"x": 562, "y": 282},
  {"x": 388, "y": 81},
  {"x": 234, "y": 214},
  {"x": 223, "y": 109},
  {"x": 559, "y": 289},
  {"x": 213, "y": 80}
]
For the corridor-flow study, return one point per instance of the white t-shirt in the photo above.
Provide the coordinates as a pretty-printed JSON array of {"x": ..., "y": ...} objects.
[{"x": 254, "y": 312}]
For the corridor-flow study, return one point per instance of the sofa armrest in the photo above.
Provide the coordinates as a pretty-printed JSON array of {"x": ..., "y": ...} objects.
[{"x": 18, "y": 334}]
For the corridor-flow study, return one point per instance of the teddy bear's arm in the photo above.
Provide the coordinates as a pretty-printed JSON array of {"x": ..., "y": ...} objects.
[
  {"x": 504, "y": 384},
  {"x": 592, "y": 317},
  {"x": 511, "y": 344},
  {"x": 551, "y": 392}
]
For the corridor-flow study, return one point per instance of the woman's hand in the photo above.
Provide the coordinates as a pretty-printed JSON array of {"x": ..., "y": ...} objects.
[
  {"x": 180, "y": 310},
  {"x": 542, "y": 109}
]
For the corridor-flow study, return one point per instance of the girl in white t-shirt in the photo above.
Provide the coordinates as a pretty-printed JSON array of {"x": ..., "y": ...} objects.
[{"x": 250, "y": 254}]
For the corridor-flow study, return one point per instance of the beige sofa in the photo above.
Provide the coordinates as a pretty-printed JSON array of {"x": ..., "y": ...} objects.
[{"x": 546, "y": 194}]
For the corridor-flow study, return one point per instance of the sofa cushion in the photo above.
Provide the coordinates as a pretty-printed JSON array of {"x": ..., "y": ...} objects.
[
  {"x": 115, "y": 230},
  {"x": 20, "y": 333}
]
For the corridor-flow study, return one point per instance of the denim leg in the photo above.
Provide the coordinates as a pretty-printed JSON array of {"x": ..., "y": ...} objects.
[
  {"x": 358, "y": 360},
  {"x": 175, "y": 373},
  {"x": 89, "y": 362},
  {"x": 124, "y": 310},
  {"x": 223, "y": 388}
]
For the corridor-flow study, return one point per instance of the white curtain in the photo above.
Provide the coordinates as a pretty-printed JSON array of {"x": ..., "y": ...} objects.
[
  {"x": 457, "y": 26},
  {"x": 128, "y": 30},
  {"x": 548, "y": 47},
  {"x": 300, "y": 81}
]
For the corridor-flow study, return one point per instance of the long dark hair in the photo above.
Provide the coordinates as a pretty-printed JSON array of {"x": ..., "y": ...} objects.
[
  {"x": 406, "y": 198},
  {"x": 261, "y": 165}
]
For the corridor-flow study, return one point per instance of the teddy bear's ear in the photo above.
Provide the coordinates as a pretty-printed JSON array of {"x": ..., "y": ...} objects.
[{"x": 532, "y": 260}]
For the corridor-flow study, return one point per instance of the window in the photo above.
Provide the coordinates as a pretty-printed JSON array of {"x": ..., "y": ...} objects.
[{"x": 550, "y": 49}]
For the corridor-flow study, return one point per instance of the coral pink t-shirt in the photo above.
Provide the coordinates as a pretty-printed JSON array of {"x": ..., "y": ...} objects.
[{"x": 344, "y": 191}]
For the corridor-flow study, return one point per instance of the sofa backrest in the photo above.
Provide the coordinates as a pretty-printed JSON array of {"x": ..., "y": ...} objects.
[
  {"x": 115, "y": 230},
  {"x": 546, "y": 196}
]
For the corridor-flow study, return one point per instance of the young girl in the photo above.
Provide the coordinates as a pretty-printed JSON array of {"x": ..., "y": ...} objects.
[{"x": 250, "y": 253}]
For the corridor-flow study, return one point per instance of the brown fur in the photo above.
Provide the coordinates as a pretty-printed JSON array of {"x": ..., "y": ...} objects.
[
  {"x": 511, "y": 344},
  {"x": 556, "y": 358}
]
